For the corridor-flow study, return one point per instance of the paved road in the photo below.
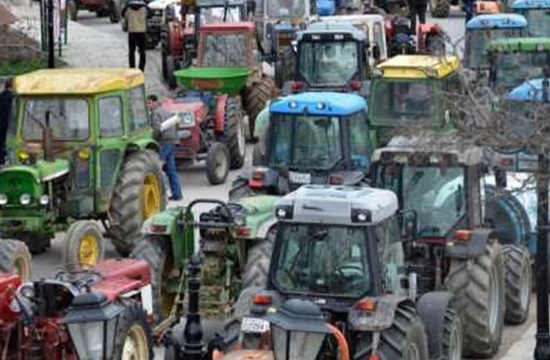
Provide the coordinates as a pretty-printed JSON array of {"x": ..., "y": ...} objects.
[{"x": 194, "y": 180}]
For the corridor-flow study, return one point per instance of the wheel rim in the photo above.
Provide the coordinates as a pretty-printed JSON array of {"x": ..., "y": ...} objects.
[
  {"x": 135, "y": 345},
  {"x": 525, "y": 287},
  {"x": 241, "y": 138},
  {"x": 88, "y": 252},
  {"x": 493, "y": 301},
  {"x": 455, "y": 344},
  {"x": 151, "y": 196},
  {"x": 412, "y": 353},
  {"x": 220, "y": 164},
  {"x": 21, "y": 268}
]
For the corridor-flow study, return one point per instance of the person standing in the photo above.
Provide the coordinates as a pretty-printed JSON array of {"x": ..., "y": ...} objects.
[
  {"x": 417, "y": 8},
  {"x": 6, "y": 105},
  {"x": 468, "y": 7},
  {"x": 168, "y": 140},
  {"x": 134, "y": 15}
]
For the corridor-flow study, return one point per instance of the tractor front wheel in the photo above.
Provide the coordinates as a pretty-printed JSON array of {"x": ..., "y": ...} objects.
[
  {"x": 170, "y": 66},
  {"x": 155, "y": 250},
  {"x": 37, "y": 243},
  {"x": 139, "y": 194},
  {"x": 84, "y": 243},
  {"x": 15, "y": 258},
  {"x": 518, "y": 284},
  {"x": 255, "y": 99},
  {"x": 134, "y": 338},
  {"x": 234, "y": 133},
  {"x": 217, "y": 163},
  {"x": 257, "y": 262}
]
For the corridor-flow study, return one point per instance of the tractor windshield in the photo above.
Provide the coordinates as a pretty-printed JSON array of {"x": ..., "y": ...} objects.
[
  {"x": 226, "y": 50},
  {"x": 285, "y": 8},
  {"x": 328, "y": 63},
  {"x": 538, "y": 22},
  {"x": 475, "y": 55},
  {"x": 216, "y": 15},
  {"x": 68, "y": 118},
  {"x": 513, "y": 69},
  {"x": 326, "y": 260},
  {"x": 397, "y": 102},
  {"x": 305, "y": 142}
]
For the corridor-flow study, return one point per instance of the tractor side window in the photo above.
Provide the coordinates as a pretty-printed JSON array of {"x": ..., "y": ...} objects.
[
  {"x": 403, "y": 101},
  {"x": 360, "y": 145},
  {"x": 390, "y": 253},
  {"x": 378, "y": 37},
  {"x": 110, "y": 117},
  {"x": 138, "y": 110}
]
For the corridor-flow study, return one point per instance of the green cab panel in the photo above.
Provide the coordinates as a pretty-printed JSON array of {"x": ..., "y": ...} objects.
[{"x": 260, "y": 213}]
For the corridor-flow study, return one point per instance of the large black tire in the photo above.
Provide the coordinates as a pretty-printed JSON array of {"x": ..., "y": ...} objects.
[
  {"x": 36, "y": 243},
  {"x": 155, "y": 250},
  {"x": 439, "y": 8},
  {"x": 452, "y": 336},
  {"x": 134, "y": 330},
  {"x": 518, "y": 284},
  {"x": 239, "y": 189},
  {"x": 151, "y": 41},
  {"x": 127, "y": 210},
  {"x": 84, "y": 243},
  {"x": 258, "y": 259},
  {"x": 478, "y": 289},
  {"x": 15, "y": 257},
  {"x": 170, "y": 65},
  {"x": 217, "y": 163},
  {"x": 234, "y": 133},
  {"x": 405, "y": 334},
  {"x": 255, "y": 99}
]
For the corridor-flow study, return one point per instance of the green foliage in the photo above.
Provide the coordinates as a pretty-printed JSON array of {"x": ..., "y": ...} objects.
[{"x": 18, "y": 67}]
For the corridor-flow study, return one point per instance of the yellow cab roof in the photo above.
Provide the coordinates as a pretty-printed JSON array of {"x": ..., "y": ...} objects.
[
  {"x": 77, "y": 81},
  {"x": 419, "y": 66}
]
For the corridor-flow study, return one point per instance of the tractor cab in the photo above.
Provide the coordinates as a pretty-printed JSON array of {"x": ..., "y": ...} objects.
[
  {"x": 483, "y": 29},
  {"x": 316, "y": 138},
  {"x": 330, "y": 57},
  {"x": 410, "y": 91},
  {"x": 537, "y": 13},
  {"x": 515, "y": 60}
]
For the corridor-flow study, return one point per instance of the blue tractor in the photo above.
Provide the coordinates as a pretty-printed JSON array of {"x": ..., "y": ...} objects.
[
  {"x": 326, "y": 7},
  {"x": 537, "y": 13},
  {"x": 483, "y": 29},
  {"x": 330, "y": 57},
  {"x": 319, "y": 138}
]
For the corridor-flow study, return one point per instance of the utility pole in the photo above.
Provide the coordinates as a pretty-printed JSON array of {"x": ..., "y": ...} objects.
[
  {"x": 51, "y": 41},
  {"x": 542, "y": 349}
]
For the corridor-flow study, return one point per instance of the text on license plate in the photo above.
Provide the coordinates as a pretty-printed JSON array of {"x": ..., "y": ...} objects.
[
  {"x": 254, "y": 325},
  {"x": 299, "y": 178}
]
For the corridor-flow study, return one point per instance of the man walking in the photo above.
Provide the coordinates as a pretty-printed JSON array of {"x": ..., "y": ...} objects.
[
  {"x": 417, "y": 8},
  {"x": 168, "y": 140},
  {"x": 135, "y": 17},
  {"x": 6, "y": 105}
]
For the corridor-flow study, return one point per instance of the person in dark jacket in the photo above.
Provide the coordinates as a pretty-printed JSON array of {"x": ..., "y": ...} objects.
[
  {"x": 6, "y": 106},
  {"x": 168, "y": 140},
  {"x": 134, "y": 15},
  {"x": 417, "y": 8}
]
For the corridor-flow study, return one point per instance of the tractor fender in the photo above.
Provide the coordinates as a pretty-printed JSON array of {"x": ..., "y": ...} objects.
[
  {"x": 162, "y": 223},
  {"x": 265, "y": 227},
  {"x": 361, "y": 320},
  {"x": 474, "y": 247},
  {"x": 219, "y": 115},
  {"x": 143, "y": 144},
  {"x": 431, "y": 308}
]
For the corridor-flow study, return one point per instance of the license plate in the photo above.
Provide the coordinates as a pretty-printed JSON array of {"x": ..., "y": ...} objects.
[
  {"x": 299, "y": 178},
  {"x": 254, "y": 325}
]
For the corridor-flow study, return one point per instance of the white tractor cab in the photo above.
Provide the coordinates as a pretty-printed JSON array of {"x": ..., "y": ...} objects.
[
  {"x": 341, "y": 248},
  {"x": 374, "y": 28},
  {"x": 156, "y": 19}
]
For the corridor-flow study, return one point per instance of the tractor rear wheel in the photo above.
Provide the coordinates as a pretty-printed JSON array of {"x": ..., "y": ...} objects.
[
  {"x": 255, "y": 99},
  {"x": 257, "y": 262},
  {"x": 139, "y": 194},
  {"x": 217, "y": 163},
  {"x": 234, "y": 132},
  {"x": 37, "y": 243},
  {"x": 478, "y": 294},
  {"x": 518, "y": 283},
  {"x": 84, "y": 243},
  {"x": 170, "y": 66},
  {"x": 439, "y": 8},
  {"x": 155, "y": 250},
  {"x": 134, "y": 338},
  {"x": 15, "y": 258}
]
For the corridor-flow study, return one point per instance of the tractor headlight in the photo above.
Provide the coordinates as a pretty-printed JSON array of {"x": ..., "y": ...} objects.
[
  {"x": 22, "y": 156},
  {"x": 3, "y": 199},
  {"x": 27, "y": 291},
  {"x": 44, "y": 200},
  {"x": 360, "y": 215},
  {"x": 25, "y": 199}
]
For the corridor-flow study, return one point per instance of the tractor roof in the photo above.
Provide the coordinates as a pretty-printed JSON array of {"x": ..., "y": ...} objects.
[
  {"x": 419, "y": 66},
  {"x": 219, "y": 3},
  {"x": 528, "y": 91},
  {"x": 433, "y": 148},
  {"x": 354, "y": 19},
  {"x": 332, "y": 29},
  {"x": 319, "y": 103},
  {"x": 77, "y": 81},
  {"x": 497, "y": 21},
  {"x": 531, "y": 4},
  {"x": 336, "y": 205},
  {"x": 246, "y": 26},
  {"x": 527, "y": 44}
]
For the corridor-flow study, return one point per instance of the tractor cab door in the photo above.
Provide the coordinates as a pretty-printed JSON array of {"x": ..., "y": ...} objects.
[
  {"x": 391, "y": 255},
  {"x": 111, "y": 137}
]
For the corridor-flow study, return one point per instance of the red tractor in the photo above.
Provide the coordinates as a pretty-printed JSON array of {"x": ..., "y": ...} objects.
[
  {"x": 99, "y": 312},
  {"x": 430, "y": 38}
]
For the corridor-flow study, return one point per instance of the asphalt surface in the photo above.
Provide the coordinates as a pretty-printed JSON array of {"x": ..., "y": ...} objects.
[{"x": 195, "y": 184}]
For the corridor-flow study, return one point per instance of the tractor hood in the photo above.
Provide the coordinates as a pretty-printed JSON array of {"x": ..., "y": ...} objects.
[{"x": 42, "y": 171}]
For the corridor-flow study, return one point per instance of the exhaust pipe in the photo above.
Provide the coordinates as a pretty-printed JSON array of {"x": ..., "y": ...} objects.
[{"x": 47, "y": 140}]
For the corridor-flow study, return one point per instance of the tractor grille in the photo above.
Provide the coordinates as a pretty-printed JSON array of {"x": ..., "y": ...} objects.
[{"x": 14, "y": 184}]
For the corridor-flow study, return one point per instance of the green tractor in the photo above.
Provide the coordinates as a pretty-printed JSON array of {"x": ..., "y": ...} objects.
[{"x": 80, "y": 151}]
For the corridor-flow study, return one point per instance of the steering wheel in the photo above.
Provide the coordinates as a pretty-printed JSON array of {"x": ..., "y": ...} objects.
[
  {"x": 77, "y": 274},
  {"x": 349, "y": 275}
]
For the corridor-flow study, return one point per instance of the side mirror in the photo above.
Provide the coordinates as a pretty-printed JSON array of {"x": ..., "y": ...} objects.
[
  {"x": 376, "y": 52},
  {"x": 268, "y": 30}
]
